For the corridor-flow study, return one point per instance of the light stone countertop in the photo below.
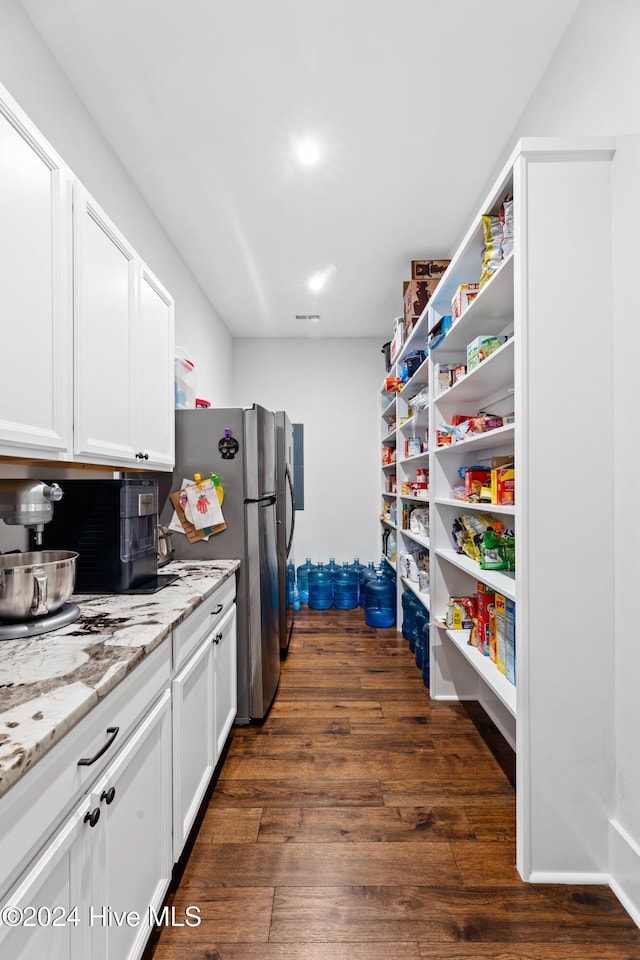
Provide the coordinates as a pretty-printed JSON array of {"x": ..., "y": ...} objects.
[{"x": 48, "y": 683}]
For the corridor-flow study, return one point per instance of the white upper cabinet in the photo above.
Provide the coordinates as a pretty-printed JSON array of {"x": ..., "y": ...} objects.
[
  {"x": 35, "y": 280},
  {"x": 123, "y": 323},
  {"x": 153, "y": 381},
  {"x": 87, "y": 364},
  {"x": 104, "y": 322}
]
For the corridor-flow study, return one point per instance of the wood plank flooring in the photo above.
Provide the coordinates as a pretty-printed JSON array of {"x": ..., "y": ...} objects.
[{"x": 362, "y": 821}]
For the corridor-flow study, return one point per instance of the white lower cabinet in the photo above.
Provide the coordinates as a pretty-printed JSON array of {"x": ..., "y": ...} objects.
[
  {"x": 88, "y": 895},
  {"x": 131, "y": 856},
  {"x": 93, "y": 886},
  {"x": 204, "y": 707}
]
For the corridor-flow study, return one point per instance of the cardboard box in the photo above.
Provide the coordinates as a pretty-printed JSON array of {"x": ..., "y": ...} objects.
[
  {"x": 465, "y": 293},
  {"x": 510, "y": 642},
  {"x": 396, "y": 343},
  {"x": 417, "y": 295},
  {"x": 428, "y": 268},
  {"x": 486, "y": 605},
  {"x": 481, "y": 348},
  {"x": 500, "y": 620},
  {"x": 474, "y": 483},
  {"x": 503, "y": 486}
]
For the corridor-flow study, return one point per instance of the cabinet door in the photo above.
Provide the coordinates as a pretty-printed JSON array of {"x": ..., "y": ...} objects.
[
  {"x": 226, "y": 689},
  {"x": 104, "y": 319},
  {"x": 35, "y": 279},
  {"x": 53, "y": 899},
  {"x": 131, "y": 862},
  {"x": 194, "y": 753},
  {"x": 153, "y": 366}
]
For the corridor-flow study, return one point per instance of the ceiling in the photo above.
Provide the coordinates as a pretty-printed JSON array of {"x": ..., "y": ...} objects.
[{"x": 411, "y": 103}]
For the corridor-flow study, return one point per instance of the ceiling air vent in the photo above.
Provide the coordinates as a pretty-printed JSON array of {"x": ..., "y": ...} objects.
[{"x": 307, "y": 316}]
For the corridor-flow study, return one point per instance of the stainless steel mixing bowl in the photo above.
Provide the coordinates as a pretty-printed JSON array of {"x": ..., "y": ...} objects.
[{"x": 35, "y": 583}]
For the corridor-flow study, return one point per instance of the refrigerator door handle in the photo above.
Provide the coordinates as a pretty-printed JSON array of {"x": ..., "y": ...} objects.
[
  {"x": 293, "y": 508},
  {"x": 265, "y": 501}
]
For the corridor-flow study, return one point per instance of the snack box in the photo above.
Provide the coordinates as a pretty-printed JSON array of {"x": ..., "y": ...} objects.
[
  {"x": 396, "y": 343},
  {"x": 486, "y": 605},
  {"x": 465, "y": 293},
  {"x": 457, "y": 616},
  {"x": 475, "y": 481},
  {"x": 500, "y": 620},
  {"x": 428, "y": 268},
  {"x": 417, "y": 295},
  {"x": 481, "y": 348},
  {"x": 503, "y": 486},
  {"x": 510, "y": 642}
]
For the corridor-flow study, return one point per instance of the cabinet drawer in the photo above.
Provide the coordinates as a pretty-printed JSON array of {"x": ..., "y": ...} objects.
[
  {"x": 37, "y": 803},
  {"x": 189, "y": 634}
]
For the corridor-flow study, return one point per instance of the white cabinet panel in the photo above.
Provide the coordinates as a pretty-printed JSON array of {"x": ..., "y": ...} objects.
[
  {"x": 194, "y": 753},
  {"x": 226, "y": 690},
  {"x": 104, "y": 282},
  {"x": 131, "y": 861},
  {"x": 153, "y": 365},
  {"x": 35, "y": 280}
]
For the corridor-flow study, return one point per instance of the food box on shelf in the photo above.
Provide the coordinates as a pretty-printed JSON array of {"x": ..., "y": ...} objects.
[
  {"x": 503, "y": 481},
  {"x": 428, "y": 268},
  {"x": 476, "y": 484},
  {"x": 416, "y": 297},
  {"x": 500, "y": 618},
  {"x": 481, "y": 348},
  {"x": 465, "y": 293},
  {"x": 486, "y": 599},
  {"x": 396, "y": 343},
  {"x": 510, "y": 641}
]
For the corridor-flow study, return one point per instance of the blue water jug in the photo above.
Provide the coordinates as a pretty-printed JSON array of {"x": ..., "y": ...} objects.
[
  {"x": 369, "y": 573},
  {"x": 303, "y": 579},
  {"x": 333, "y": 568},
  {"x": 409, "y": 607},
  {"x": 291, "y": 581},
  {"x": 359, "y": 570},
  {"x": 320, "y": 588},
  {"x": 345, "y": 588},
  {"x": 419, "y": 650},
  {"x": 380, "y": 602},
  {"x": 425, "y": 655},
  {"x": 420, "y": 619}
]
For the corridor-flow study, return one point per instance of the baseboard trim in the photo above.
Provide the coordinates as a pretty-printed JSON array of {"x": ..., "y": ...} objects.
[
  {"x": 624, "y": 869},
  {"x": 541, "y": 876}
]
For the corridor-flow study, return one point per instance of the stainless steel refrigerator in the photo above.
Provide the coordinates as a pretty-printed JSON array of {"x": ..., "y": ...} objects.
[
  {"x": 286, "y": 519},
  {"x": 240, "y": 447}
]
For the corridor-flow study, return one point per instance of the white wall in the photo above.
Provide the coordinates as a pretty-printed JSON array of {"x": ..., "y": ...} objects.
[
  {"x": 35, "y": 81},
  {"x": 591, "y": 87},
  {"x": 331, "y": 386}
]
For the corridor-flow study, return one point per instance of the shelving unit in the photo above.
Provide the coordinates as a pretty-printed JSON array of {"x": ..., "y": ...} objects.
[{"x": 551, "y": 379}]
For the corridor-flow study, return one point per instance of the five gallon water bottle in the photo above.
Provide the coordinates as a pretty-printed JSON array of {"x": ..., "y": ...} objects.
[
  {"x": 303, "y": 579},
  {"x": 320, "y": 588},
  {"x": 420, "y": 620},
  {"x": 345, "y": 588},
  {"x": 369, "y": 573},
  {"x": 380, "y": 602},
  {"x": 291, "y": 581},
  {"x": 409, "y": 608},
  {"x": 359, "y": 569},
  {"x": 425, "y": 655}
]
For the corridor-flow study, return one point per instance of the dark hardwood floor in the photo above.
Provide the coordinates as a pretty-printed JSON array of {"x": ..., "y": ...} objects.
[{"x": 362, "y": 821}]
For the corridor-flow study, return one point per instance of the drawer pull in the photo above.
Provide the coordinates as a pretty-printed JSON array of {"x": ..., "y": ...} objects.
[
  {"x": 92, "y": 816},
  {"x": 108, "y": 795},
  {"x": 217, "y": 638},
  {"x": 217, "y": 609},
  {"x": 87, "y": 761}
]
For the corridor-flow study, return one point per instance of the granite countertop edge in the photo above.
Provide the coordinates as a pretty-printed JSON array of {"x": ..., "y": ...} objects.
[{"x": 45, "y": 691}]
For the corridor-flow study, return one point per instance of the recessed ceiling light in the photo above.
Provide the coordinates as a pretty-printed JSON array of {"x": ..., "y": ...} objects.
[
  {"x": 317, "y": 282},
  {"x": 308, "y": 152}
]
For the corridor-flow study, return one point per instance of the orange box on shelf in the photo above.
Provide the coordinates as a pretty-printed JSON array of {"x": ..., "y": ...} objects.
[
  {"x": 465, "y": 293},
  {"x": 503, "y": 482}
]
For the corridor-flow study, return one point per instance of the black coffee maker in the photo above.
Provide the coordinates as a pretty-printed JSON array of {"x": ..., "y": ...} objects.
[{"x": 112, "y": 525}]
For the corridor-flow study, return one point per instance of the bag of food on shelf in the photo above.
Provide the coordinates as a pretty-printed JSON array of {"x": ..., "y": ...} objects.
[
  {"x": 506, "y": 215},
  {"x": 492, "y": 254},
  {"x": 419, "y": 521}
]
